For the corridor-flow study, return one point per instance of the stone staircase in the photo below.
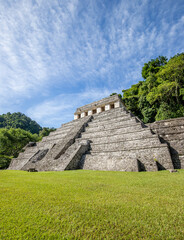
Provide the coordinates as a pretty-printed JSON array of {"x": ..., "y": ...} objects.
[
  {"x": 58, "y": 151},
  {"x": 117, "y": 138}
]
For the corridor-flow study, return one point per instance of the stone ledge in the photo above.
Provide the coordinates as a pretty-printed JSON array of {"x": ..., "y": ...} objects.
[
  {"x": 145, "y": 134},
  {"x": 164, "y": 146},
  {"x": 111, "y": 113},
  {"x": 112, "y": 120},
  {"x": 91, "y": 129}
]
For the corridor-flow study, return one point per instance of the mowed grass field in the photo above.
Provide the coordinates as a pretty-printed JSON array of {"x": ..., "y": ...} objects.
[{"x": 91, "y": 205}]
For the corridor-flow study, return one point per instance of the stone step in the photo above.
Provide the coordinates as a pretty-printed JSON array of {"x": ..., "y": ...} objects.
[
  {"x": 90, "y": 133},
  {"x": 71, "y": 123},
  {"x": 151, "y": 151},
  {"x": 110, "y": 114},
  {"x": 75, "y": 122},
  {"x": 26, "y": 154},
  {"x": 141, "y": 134},
  {"x": 173, "y": 137},
  {"x": 110, "y": 160},
  {"x": 177, "y": 143},
  {"x": 130, "y": 152},
  {"x": 54, "y": 137},
  {"x": 168, "y": 123},
  {"x": 111, "y": 111},
  {"x": 122, "y": 163},
  {"x": 48, "y": 144},
  {"x": 108, "y": 163},
  {"x": 110, "y": 130},
  {"x": 59, "y": 135},
  {"x": 45, "y": 145},
  {"x": 125, "y": 145},
  {"x": 113, "y": 123},
  {"x": 168, "y": 129},
  {"x": 28, "y": 151},
  {"x": 59, "y": 131},
  {"x": 179, "y": 151},
  {"x": 109, "y": 118},
  {"x": 67, "y": 127},
  {"x": 62, "y": 131}
]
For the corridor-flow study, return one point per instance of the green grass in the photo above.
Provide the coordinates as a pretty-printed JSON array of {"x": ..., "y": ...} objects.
[{"x": 91, "y": 205}]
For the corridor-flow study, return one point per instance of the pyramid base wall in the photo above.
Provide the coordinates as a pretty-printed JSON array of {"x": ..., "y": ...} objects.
[{"x": 171, "y": 131}]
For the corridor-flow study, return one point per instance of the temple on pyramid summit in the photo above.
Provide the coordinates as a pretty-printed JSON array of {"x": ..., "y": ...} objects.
[{"x": 105, "y": 136}]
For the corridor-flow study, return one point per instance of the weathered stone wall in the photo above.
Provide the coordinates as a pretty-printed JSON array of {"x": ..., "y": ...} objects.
[
  {"x": 171, "y": 131},
  {"x": 121, "y": 142}
]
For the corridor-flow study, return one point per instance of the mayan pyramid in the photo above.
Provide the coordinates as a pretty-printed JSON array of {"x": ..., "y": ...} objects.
[{"x": 102, "y": 136}]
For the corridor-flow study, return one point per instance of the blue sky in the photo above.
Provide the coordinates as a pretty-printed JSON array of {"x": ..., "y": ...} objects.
[{"x": 57, "y": 55}]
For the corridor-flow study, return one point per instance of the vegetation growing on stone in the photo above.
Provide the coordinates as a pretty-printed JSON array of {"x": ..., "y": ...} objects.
[{"x": 161, "y": 95}]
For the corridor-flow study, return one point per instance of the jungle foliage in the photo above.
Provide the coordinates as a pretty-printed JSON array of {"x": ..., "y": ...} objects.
[
  {"x": 19, "y": 120},
  {"x": 11, "y": 143},
  {"x": 13, "y": 140},
  {"x": 16, "y": 130},
  {"x": 161, "y": 94}
]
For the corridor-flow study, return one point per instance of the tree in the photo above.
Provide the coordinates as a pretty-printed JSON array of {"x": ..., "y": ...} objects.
[
  {"x": 13, "y": 140},
  {"x": 19, "y": 120},
  {"x": 11, "y": 143},
  {"x": 153, "y": 66},
  {"x": 161, "y": 95},
  {"x": 46, "y": 131},
  {"x": 173, "y": 73}
]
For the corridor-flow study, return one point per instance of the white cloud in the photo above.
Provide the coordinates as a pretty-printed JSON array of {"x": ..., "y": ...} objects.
[{"x": 76, "y": 45}]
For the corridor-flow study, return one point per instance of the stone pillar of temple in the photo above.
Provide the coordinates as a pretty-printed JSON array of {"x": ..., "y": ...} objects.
[
  {"x": 107, "y": 107},
  {"x": 82, "y": 114},
  {"x": 99, "y": 110},
  {"x": 117, "y": 104},
  {"x": 89, "y": 112},
  {"x": 76, "y": 117}
]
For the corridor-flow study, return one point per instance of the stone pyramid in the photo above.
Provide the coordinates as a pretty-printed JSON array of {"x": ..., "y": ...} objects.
[{"x": 102, "y": 136}]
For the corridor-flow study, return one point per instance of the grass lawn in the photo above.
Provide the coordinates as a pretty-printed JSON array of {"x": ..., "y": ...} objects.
[{"x": 91, "y": 205}]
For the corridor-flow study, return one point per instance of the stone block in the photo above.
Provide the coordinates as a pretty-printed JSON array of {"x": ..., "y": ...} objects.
[
  {"x": 89, "y": 112},
  {"x": 82, "y": 114},
  {"x": 107, "y": 107},
  {"x": 117, "y": 104},
  {"x": 99, "y": 110}
]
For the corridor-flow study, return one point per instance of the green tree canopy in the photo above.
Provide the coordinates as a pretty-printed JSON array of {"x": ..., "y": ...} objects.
[
  {"x": 11, "y": 143},
  {"x": 153, "y": 66},
  {"x": 46, "y": 131},
  {"x": 161, "y": 95},
  {"x": 19, "y": 120}
]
